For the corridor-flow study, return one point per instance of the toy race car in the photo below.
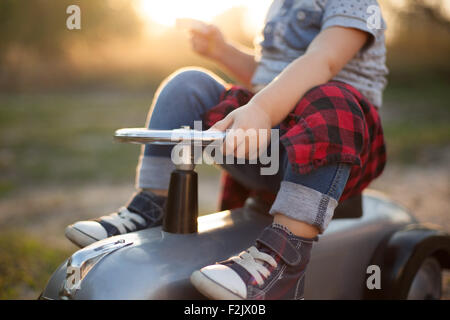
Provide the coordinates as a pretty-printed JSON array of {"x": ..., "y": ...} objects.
[{"x": 388, "y": 254}]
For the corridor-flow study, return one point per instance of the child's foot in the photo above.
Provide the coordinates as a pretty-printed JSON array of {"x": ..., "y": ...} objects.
[
  {"x": 272, "y": 269},
  {"x": 145, "y": 210}
]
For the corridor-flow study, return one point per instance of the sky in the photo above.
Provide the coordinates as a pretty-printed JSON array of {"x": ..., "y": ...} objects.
[{"x": 167, "y": 11}]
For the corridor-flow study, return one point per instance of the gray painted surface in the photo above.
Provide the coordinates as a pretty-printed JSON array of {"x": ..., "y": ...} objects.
[{"x": 158, "y": 264}]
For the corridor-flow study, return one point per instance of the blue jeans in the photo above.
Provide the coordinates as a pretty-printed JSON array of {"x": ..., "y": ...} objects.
[{"x": 188, "y": 94}]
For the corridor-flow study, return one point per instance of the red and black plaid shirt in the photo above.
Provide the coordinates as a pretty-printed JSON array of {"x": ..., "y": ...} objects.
[{"x": 332, "y": 123}]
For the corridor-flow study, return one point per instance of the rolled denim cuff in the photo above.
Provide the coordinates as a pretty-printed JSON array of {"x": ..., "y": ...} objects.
[
  {"x": 304, "y": 204},
  {"x": 154, "y": 172}
]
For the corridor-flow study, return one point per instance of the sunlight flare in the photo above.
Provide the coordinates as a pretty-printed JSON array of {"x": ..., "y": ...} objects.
[{"x": 166, "y": 12}]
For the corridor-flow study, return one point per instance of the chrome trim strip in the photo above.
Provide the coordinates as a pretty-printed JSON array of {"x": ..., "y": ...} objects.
[
  {"x": 168, "y": 137},
  {"x": 83, "y": 261}
]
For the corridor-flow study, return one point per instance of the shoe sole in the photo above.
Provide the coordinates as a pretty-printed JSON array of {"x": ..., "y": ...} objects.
[
  {"x": 211, "y": 289},
  {"x": 78, "y": 237}
]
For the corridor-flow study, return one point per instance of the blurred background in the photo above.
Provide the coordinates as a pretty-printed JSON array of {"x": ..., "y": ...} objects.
[{"x": 64, "y": 92}]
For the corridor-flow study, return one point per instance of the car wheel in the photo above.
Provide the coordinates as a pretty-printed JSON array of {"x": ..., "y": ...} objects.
[{"x": 427, "y": 282}]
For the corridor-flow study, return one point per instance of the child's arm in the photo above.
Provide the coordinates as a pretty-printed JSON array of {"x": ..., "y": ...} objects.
[
  {"x": 327, "y": 54},
  {"x": 239, "y": 62}
]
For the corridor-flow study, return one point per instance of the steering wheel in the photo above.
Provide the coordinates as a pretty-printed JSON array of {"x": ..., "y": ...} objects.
[{"x": 168, "y": 137}]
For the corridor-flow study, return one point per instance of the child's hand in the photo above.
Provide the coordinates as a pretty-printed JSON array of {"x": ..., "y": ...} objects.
[
  {"x": 208, "y": 41},
  {"x": 251, "y": 119}
]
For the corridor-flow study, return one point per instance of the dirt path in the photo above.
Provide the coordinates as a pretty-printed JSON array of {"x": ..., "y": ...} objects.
[
  {"x": 425, "y": 192},
  {"x": 45, "y": 212}
]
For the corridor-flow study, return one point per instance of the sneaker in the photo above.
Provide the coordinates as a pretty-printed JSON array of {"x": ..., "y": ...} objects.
[
  {"x": 145, "y": 210},
  {"x": 272, "y": 269}
]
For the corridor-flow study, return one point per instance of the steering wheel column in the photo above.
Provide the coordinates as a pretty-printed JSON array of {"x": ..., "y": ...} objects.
[{"x": 182, "y": 203}]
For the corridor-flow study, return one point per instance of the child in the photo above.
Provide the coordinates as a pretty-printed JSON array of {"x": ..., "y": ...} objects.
[{"x": 318, "y": 77}]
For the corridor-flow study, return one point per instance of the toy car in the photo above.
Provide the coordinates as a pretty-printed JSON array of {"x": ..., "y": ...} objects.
[{"x": 369, "y": 234}]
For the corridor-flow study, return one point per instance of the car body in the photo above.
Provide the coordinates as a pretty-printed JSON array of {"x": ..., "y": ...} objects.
[{"x": 155, "y": 264}]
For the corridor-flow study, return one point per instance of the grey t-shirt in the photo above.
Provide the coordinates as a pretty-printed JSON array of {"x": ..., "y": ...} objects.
[{"x": 291, "y": 25}]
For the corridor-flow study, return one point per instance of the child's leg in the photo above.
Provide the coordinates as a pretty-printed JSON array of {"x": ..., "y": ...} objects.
[
  {"x": 180, "y": 100},
  {"x": 328, "y": 123},
  {"x": 332, "y": 123},
  {"x": 305, "y": 203},
  {"x": 303, "y": 208}
]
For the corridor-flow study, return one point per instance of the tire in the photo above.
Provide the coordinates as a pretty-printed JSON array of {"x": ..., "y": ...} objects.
[
  {"x": 412, "y": 260},
  {"x": 427, "y": 282}
]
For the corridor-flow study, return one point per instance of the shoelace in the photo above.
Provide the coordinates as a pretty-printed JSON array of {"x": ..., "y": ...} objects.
[
  {"x": 124, "y": 220},
  {"x": 253, "y": 260}
]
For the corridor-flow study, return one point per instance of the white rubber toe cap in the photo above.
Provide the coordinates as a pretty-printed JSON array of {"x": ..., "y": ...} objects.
[
  {"x": 91, "y": 228},
  {"x": 227, "y": 278},
  {"x": 83, "y": 233}
]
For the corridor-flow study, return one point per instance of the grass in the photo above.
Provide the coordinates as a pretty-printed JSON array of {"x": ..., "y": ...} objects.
[
  {"x": 416, "y": 121},
  {"x": 26, "y": 265},
  {"x": 410, "y": 143},
  {"x": 66, "y": 138}
]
